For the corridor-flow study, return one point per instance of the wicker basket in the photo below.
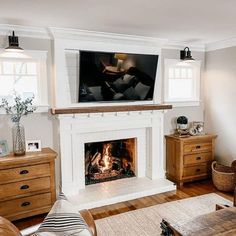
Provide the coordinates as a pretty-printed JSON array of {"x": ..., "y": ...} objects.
[{"x": 223, "y": 177}]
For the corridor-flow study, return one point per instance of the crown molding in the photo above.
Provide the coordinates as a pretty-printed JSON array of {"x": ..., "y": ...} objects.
[
  {"x": 226, "y": 43},
  {"x": 180, "y": 45},
  {"x": 25, "y": 31},
  {"x": 76, "y": 34}
]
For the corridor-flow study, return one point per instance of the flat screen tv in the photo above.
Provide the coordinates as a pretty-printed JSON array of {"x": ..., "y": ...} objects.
[{"x": 113, "y": 76}]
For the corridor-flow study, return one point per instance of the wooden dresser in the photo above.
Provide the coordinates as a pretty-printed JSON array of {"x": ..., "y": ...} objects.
[
  {"x": 189, "y": 159},
  {"x": 27, "y": 184}
]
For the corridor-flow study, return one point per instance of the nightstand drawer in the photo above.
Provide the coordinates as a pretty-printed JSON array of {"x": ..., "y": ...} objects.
[
  {"x": 24, "y": 187},
  {"x": 17, "y": 206},
  {"x": 195, "y": 170},
  {"x": 22, "y": 173},
  {"x": 197, "y": 147},
  {"x": 197, "y": 158}
]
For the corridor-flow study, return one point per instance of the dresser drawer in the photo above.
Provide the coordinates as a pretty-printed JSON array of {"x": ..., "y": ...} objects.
[
  {"x": 24, "y": 187},
  {"x": 17, "y": 206},
  {"x": 197, "y": 147},
  {"x": 197, "y": 158},
  {"x": 22, "y": 173},
  {"x": 195, "y": 170}
]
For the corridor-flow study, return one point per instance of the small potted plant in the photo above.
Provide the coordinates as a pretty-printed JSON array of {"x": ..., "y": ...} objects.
[{"x": 18, "y": 109}]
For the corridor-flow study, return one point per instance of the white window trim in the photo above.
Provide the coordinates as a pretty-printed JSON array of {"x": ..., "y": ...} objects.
[
  {"x": 183, "y": 102},
  {"x": 41, "y": 57}
]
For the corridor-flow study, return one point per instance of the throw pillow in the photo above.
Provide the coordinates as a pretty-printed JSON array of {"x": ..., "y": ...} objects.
[
  {"x": 142, "y": 90},
  {"x": 128, "y": 78},
  {"x": 119, "y": 85},
  {"x": 131, "y": 94},
  {"x": 63, "y": 219}
]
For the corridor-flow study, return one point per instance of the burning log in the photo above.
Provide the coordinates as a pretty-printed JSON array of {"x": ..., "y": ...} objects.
[
  {"x": 96, "y": 158},
  {"x": 105, "y": 175}
]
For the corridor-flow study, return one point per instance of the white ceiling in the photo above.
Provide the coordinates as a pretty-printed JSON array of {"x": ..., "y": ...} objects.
[{"x": 199, "y": 21}]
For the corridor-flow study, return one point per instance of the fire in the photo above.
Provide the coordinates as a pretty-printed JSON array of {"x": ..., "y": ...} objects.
[{"x": 106, "y": 158}]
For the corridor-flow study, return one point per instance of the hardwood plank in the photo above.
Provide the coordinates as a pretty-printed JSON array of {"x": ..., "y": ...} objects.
[
  {"x": 188, "y": 190},
  {"x": 98, "y": 109}
]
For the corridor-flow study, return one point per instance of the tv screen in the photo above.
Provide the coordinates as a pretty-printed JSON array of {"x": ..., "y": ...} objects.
[{"x": 107, "y": 76}]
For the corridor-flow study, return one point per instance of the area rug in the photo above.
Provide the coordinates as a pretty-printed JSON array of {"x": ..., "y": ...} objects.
[{"x": 146, "y": 221}]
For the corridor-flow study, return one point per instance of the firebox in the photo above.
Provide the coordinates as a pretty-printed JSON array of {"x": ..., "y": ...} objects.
[{"x": 109, "y": 160}]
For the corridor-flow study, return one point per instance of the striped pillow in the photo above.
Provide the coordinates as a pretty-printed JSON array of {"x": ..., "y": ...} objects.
[{"x": 63, "y": 220}]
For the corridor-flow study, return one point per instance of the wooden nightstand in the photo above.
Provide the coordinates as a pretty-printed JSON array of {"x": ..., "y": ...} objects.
[
  {"x": 27, "y": 184},
  {"x": 189, "y": 159}
]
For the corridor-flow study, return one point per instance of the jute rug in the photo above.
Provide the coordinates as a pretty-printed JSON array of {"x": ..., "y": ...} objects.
[{"x": 146, "y": 221}]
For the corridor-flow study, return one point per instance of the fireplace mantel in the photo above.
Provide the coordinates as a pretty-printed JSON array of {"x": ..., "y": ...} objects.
[{"x": 98, "y": 109}]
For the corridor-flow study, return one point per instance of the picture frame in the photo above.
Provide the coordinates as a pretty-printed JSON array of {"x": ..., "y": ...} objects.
[
  {"x": 198, "y": 126},
  {"x": 33, "y": 146},
  {"x": 4, "y": 151}
]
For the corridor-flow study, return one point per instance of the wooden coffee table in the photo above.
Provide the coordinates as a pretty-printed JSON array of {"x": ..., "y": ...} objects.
[{"x": 220, "y": 223}]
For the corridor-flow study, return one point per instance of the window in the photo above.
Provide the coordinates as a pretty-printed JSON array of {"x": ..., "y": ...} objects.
[
  {"x": 182, "y": 82},
  {"x": 25, "y": 75}
]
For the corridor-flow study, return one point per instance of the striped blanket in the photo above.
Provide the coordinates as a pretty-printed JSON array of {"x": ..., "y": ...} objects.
[{"x": 63, "y": 220}]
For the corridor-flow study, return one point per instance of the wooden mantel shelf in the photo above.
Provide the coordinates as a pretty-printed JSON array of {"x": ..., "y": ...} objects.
[{"x": 98, "y": 109}]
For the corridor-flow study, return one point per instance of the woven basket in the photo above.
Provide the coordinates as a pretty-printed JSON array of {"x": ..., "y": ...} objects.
[{"x": 223, "y": 177}]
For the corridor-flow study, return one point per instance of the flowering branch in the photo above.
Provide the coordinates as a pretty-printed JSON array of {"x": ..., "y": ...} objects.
[{"x": 19, "y": 109}]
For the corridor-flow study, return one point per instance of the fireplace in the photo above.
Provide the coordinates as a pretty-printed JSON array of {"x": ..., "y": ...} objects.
[
  {"x": 82, "y": 134},
  {"x": 109, "y": 160}
]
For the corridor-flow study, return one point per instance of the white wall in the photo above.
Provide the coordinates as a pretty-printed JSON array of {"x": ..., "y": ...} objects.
[
  {"x": 220, "y": 97},
  {"x": 193, "y": 113}
]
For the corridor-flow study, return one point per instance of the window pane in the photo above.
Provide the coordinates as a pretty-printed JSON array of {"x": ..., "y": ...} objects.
[
  {"x": 171, "y": 73},
  {"x": 8, "y": 67},
  {"x": 26, "y": 86},
  {"x": 183, "y": 73},
  {"x": 177, "y": 72},
  {"x": 31, "y": 68},
  {"x": 6, "y": 83},
  {"x": 190, "y": 73},
  {"x": 180, "y": 88},
  {"x": 20, "y": 68}
]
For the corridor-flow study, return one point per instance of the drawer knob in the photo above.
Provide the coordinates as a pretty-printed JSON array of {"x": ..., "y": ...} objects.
[
  {"x": 198, "y": 146},
  {"x": 197, "y": 170},
  {"x": 24, "y": 204},
  {"x": 24, "y": 172},
  {"x": 198, "y": 158},
  {"x": 24, "y": 187}
]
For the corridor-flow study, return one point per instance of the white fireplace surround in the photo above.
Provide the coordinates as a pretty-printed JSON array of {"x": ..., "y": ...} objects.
[{"x": 76, "y": 130}]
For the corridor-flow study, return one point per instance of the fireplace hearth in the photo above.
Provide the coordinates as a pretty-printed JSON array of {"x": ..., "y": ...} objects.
[{"x": 109, "y": 160}]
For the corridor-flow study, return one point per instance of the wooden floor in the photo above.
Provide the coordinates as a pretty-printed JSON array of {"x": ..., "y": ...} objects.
[{"x": 189, "y": 190}]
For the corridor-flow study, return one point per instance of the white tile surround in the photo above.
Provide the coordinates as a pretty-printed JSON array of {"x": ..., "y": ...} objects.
[{"x": 145, "y": 126}]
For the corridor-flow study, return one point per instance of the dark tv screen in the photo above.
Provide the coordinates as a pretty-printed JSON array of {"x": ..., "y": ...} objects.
[{"x": 108, "y": 76}]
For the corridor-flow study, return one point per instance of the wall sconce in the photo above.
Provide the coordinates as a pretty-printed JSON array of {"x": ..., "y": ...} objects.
[
  {"x": 13, "y": 44},
  {"x": 120, "y": 58},
  {"x": 185, "y": 54}
]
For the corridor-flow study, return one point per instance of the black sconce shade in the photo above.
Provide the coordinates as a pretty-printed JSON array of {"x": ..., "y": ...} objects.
[
  {"x": 13, "y": 43},
  {"x": 186, "y": 54}
]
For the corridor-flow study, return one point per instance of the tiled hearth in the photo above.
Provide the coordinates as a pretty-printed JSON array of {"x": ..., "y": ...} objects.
[
  {"x": 146, "y": 127},
  {"x": 118, "y": 191}
]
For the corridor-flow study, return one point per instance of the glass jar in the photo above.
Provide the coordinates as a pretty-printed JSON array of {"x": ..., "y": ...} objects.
[{"x": 18, "y": 134}]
